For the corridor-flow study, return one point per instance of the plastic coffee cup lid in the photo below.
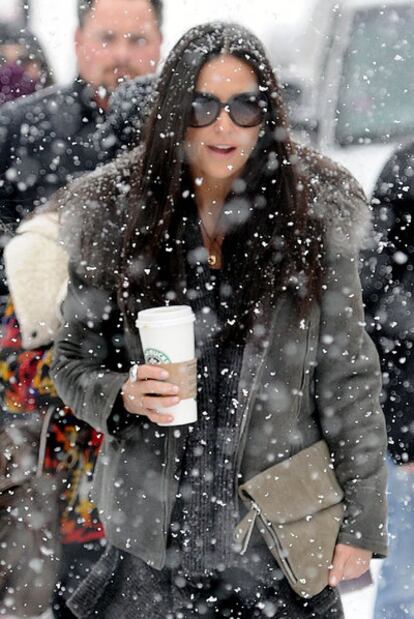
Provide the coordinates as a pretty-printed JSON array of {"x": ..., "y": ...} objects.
[{"x": 170, "y": 316}]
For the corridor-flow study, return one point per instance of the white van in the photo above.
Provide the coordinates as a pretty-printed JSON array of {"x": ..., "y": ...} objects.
[{"x": 355, "y": 71}]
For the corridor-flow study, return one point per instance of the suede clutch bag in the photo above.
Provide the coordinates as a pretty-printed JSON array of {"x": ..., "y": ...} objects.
[{"x": 298, "y": 508}]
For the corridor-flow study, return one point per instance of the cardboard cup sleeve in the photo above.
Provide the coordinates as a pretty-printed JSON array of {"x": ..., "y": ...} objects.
[{"x": 184, "y": 375}]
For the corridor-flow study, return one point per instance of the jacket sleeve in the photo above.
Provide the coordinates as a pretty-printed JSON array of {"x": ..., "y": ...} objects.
[
  {"x": 9, "y": 123},
  {"x": 36, "y": 269},
  {"x": 388, "y": 285},
  {"x": 348, "y": 384},
  {"x": 89, "y": 368}
]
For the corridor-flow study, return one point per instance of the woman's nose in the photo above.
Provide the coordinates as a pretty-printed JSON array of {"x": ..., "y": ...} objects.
[{"x": 224, "y": 122}]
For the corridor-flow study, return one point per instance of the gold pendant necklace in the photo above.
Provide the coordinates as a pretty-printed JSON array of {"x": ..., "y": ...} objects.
[{"x": 213, "y": 254}]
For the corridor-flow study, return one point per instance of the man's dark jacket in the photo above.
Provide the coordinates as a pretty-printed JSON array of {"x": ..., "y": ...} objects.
[
  {"x": 45, "y": 140},
  {"x": 388, "y": 282},
  {"x": 55, "y": 135}
]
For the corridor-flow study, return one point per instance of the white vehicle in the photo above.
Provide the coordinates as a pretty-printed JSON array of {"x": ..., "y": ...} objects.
[
  {"x": 13, "y": 11},
  {"x": 355, "y": 75}
]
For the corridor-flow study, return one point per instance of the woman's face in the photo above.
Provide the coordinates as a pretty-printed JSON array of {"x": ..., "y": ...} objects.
[{"x": 220, "y": 151}]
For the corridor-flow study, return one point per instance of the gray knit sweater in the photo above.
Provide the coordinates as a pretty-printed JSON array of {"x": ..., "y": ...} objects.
[{"x": 205, "y": 514}]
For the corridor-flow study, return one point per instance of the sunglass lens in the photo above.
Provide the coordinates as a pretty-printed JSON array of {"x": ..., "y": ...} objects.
[
  {"x": 247, "y": 111},
  {"x": 204, "y": 111}
]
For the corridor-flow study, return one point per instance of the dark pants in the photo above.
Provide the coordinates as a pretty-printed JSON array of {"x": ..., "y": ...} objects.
[
  {"x": 124, "y": 586},
  {"x": 75, "y": 563},
  {"x": 226, "y": 597}
]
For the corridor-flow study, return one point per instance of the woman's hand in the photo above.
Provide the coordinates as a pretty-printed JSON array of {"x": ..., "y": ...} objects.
[
  {"x": 147, "y": 392},
  {"x": 348, "y": 563}
]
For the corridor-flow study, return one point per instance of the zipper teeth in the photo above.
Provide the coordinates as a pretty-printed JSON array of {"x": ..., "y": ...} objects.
[
  {"x": 242, "y": 429},
  {"x": 258, "y": 376},
  {"x": 166, "y": 485},
  {"x": 252, "y": 391},
  {"x": 276, "y": 540},
  {"x": 242, "y": 441},
  {"x": 308, "y": 337}
]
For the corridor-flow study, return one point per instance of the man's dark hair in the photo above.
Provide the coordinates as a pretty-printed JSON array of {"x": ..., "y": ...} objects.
[{"x": 85, "y": 6}]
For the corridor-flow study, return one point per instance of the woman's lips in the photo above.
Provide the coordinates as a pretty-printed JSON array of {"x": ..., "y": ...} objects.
[{"x": 222, "y": 151}]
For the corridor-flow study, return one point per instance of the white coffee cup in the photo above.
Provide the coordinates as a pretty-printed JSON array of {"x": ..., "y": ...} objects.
[{"x": 167, "y": 336}]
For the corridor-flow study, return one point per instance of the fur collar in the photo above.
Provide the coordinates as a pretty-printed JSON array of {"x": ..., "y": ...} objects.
[
  {"x": 338, "y": 200},
  {"x": 93, "y": 211}
]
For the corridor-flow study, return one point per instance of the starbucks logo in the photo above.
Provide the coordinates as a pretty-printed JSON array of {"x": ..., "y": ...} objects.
[{"x": 154, "y": 356}]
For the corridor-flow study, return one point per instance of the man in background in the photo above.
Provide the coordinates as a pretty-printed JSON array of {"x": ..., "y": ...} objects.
[{"x": 47, "y": 138}]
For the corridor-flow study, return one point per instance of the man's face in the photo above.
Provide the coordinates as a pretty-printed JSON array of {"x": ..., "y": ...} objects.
[{"x": 120, "y": 40}]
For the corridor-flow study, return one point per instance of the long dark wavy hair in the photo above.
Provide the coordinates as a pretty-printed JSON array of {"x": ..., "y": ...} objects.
[{"x": 274, "y": 241}]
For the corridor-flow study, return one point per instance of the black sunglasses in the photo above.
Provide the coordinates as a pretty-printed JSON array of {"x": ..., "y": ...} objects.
[{"x": 246, "y": 109}]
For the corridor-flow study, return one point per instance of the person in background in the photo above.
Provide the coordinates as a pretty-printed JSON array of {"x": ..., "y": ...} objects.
[
  {"x": 388, "y": 282},
  {"x": 114, "y": 42},
  {"x": 23, "y": 65},
  {"x": 23, "y": 71},
  {"x": 47, "y": 139},
  {"x": 37, "y": 275},
  {"x": 36, "y": 267}
]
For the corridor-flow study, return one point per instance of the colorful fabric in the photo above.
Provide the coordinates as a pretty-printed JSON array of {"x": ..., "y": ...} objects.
[
  {"x": 24, "y": 374},
  {"x": 72, "y": 445}
]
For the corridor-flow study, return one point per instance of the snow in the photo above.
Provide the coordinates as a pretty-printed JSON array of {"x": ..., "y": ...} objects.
[{"x": 275, "y": 22}]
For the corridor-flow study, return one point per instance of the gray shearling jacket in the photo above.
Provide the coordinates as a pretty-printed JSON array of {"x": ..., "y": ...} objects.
[{"x": 301, "y": 379}]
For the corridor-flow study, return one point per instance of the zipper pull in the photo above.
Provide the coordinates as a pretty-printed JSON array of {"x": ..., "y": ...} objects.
[{"x": 244, "y": 529}]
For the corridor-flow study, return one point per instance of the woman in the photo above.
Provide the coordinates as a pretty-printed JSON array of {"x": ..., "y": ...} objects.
[{"x": 222, "y": 212}]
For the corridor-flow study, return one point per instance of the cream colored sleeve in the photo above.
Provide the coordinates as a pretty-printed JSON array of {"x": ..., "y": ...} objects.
[{"x": 37, "y": 272}]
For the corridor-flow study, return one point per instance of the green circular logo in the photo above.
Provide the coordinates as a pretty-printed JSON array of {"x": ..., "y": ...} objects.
[{"x": 154, "y": 356}]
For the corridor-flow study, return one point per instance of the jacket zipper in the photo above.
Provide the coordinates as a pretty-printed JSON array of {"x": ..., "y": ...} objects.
[
  {"x": 249, "y": 403},
  {"x": 247, "y": 410},
  {"x": 276, "y": 541},
  {"x": 168, "y": 473},
  {"x": 303, "y": 377},
  {"x": 246, "y": 414},
  {"x": 308, "y": 336},
  {"x": 243, "y": 433}
]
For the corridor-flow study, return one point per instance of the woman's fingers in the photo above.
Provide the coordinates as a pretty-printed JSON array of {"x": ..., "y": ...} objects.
[
  {"x": 338, "y": 566},
  {"x": 145, "y": 372},
  {"x": 159, "y": 418},
  {"x": 157, "y": 387},
  {"x": 154, "y": 403},
  {"x": 146, "y": 391},
  {"x": 137, "y": 402},
  {"x": 348, "y": 563}
]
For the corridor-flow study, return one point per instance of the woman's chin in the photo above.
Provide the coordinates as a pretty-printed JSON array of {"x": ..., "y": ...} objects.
[{"x": 222, "y": 172}]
